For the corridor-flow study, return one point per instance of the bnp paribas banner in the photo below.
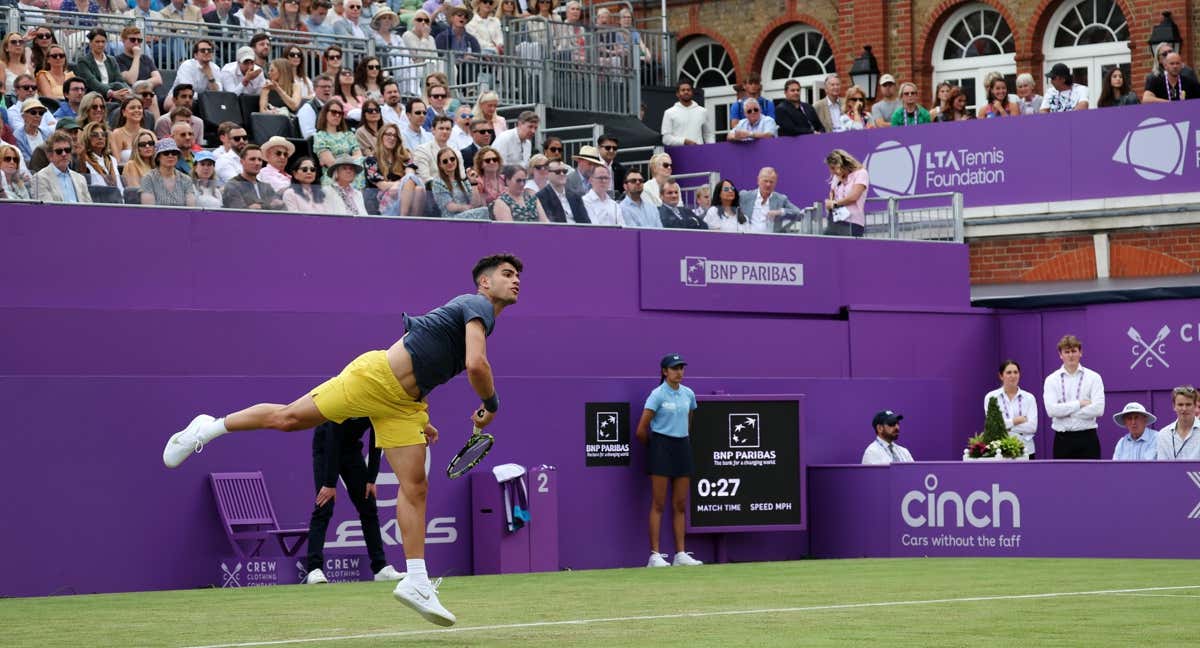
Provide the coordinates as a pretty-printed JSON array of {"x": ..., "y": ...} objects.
[{"x": 1128, "y": 151}]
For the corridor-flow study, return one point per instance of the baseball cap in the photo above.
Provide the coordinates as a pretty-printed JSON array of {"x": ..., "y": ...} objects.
[
  {"x": 245, "y": 54},
  {"x": 672, "y": 360},
  {"x": 886, "y": 79},
  {"x": 886, "y": 417},
  {"x": 1059, "y": 70}
]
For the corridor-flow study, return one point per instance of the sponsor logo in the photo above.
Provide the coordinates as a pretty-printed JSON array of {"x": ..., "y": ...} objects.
[
  {"x": 1146, "y": 353},
  {"x": 896, "y": 169},
  {"x": 1155, "y": 148},
  {"x": 744, "y": 431},
  {"x": 440, "y": 530},
  {"x": 893, "y": 168},
  {"x": 251, "y": 573},
  {"x": 701, "y": 271},
  {"x": 231, "y": 577},
  {"x": 952, "y": 509},
  {"x": 1195, "y": 477},
  {"x": 608, "y": 427}
]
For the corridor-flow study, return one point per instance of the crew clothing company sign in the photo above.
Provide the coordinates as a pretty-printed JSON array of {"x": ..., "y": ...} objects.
[{"x": 606, "y": 434}]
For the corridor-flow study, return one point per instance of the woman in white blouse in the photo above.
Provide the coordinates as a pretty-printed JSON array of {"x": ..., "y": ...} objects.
[{"x": 1017, "y": 406}]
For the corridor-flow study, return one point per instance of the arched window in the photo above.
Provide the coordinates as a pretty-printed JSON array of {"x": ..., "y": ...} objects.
[
  {"x": 974, "y": 41},
  {"x": 1091, "y": 37},
  {"x": 800, "y": 52},
  {"x": 705, "y": 63}
]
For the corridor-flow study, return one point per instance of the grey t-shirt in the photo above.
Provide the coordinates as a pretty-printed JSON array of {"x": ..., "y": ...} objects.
[
  {"x": 437, "y": 340},
  {"x": 884, "y": 109}
]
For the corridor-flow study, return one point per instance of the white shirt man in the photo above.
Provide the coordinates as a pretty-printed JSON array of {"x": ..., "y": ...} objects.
[
  {"x": 756, "y": 125},
  {"x": 243, "y": 77},
  {"x": 516, "y": 144},
  {"x": 1063, "y": 95},
  {"x": 249, "y": 15},
  {"x": 601, "y": 209},
  {"x": 1074, "y": 399},
  {"x": 884, "y": 450},
  {"x": 392, "y": 109},
  {"x": 1178, "y": 441},
  {"x": 687, "y": 121},
  {"x": 199, "y": 71},
  {"x": 228, "y": 154}
]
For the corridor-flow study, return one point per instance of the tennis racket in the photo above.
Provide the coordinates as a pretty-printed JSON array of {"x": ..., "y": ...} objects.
[{"x": 473, "y": 452}]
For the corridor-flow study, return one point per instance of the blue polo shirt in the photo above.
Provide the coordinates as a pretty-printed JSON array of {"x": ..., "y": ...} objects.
[{"x": 671, "y": 408}]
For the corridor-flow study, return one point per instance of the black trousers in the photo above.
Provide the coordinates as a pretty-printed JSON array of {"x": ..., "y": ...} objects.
[
  {"x": 1084, "y": 444},
  {"x": 354, "y": 474}
]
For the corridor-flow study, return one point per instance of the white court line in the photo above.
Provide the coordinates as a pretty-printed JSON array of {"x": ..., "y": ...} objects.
[
  {"x": 693, "y": 615},
  {"x": 1164, "y": 595}
]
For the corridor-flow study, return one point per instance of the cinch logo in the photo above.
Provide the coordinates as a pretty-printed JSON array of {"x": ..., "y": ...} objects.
[
  {"x": 1147, "y": 353},
  {"x": 893, "y": 168},
  {"x": 701, "y": 271},
  {"x": 1155, "y": 149},
  {"x": 934, "y": 514},
  {"x": 744, "y": 431}
]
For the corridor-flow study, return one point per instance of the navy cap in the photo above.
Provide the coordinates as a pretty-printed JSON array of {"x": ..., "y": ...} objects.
[
  {"x": 672, "y": 360},
  {"x": 886, "y": 417}
]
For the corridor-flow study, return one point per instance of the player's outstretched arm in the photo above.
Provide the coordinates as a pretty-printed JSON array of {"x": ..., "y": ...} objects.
[{"x": 479, "y": 373}]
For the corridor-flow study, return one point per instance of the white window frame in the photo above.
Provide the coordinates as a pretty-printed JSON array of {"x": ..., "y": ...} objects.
[
  {"x": 716, "y": 97},
  {"x": 976, "y": 67},
  {"x": 811, "y": 86},
  {"x": 1092, "y": 57}
]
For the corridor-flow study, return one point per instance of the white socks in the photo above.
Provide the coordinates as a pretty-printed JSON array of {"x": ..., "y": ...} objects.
[
  {"x": 416, "y": 569},
  {"x": 213, "y": 430}
]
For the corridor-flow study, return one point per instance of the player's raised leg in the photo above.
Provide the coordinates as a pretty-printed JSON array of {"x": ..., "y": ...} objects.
[
  {"x": 415, "y": 591},
  {"x": 300, "y": 414}
]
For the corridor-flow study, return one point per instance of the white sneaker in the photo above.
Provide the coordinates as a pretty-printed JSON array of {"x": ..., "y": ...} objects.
[
  {"x": 315, "y": 577},
  {"x": 656, "y": 560},
  {"x": 182, "y": 444},
  {"x": 684, "y": 559},
  {"x": 388, "y": 573},
  {"x": 423, "y": 598}
]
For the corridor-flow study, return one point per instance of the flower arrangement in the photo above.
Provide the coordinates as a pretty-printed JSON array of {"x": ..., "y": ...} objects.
[{"x": 994, "y": 441}]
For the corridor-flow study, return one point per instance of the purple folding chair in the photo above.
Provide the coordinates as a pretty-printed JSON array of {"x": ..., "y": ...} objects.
[{"x": 247, "y": 514}]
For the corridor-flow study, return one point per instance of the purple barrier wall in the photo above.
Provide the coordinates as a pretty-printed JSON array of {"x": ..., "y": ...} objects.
[
  {"x": 1011, "y": 509},
  {"x": 1134, "y": 151}
]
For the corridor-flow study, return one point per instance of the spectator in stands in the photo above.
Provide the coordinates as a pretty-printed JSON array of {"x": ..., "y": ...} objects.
[
  {"x": 305, "y": 195},
  {"x": 1172, "y": 84},
  {"x": 1064, "y": 94},
  {"x": 460, "y": 135},
  {"x": 884, "y": 449},
  {"x": 368, "y": 76},
  {"x": 608, "y": 146},
  {"x": 369, "y": 128},
  {"x": 43, "y": 37},
  {"x": 163, "y": 127},
  {"x": 1000, "y": 103},
  {"x": 1017, "y": 406},
  {"x": 559, "y": 205},
  {"x": 586, "y": 161},
  {"x": 25, "y": 88},
  {"x": 601, "y": 209},
  {"x": 486, "y": 28},
  {"x": 223, "y": 28},
  {"x": 485, "y": 108},
  {"x": 956, "y": 107},
  {"x": 553, "y": 148},
  {"x": 487, "y": 173},
  {"x": 261, "y": 44},
  {"x": 673, "y": 213},
  {"x": 1174, "y": 442},
  {"x": 141, "y": 161},
  {"x": 660, "y": 172},
  {"x": 636, "y": 211},
  {"x": 126, "y": 133},
  {"x": 350, "y": 94},
  {"x": 271, "y": 9},
  {"x": 15, "y": 182},
  {"x": 166, "y": 184},
  {"x": 73, "y": 90},
  {"x": 199, "y": 73},
  {"x": 134, "y": 63},
  {"x": 391, "y": 109},
  {"x": 687, "y": 121},
  {"x": 57, "y": 182},
  {"x": 829, "y": 109},
  {"x": 244, "y": 191},
  {"x": 455, "y": 198},
  {"x": 1139, "y": 444},
  {"x": 99, "y": 70},
  {"x": 31, "y": 134},
  {"x": 910, "y": 113},
  {"x": 317, "y": 22},
  {"x": 185, "y": 139},
  {"x": 228, "y": 154},
  {"x": 382, "y": 24},
  {"x": 276, "y": 152},
  {"x": 99, "y": 166},
  {"x": 91, "y": 108},
  {"x": 204, "y": 181},
  {"x": 538, "y": 173},
  {"x": 457, "y": 38},
  {"x": 510, "y": 10},
  {"x": 571, "y": 35},
  {"x": 342, "y": 197},
  {"x": 855, "y": 116},
  {"x": 482, "y": 135},
  {"x": 51, "y": 80},
  {"x": 249, "y": 15},
  {"x": 334, "y": 140},
  {"x": 516, "y": 145},
  {"x": 393, "y": 187},
  {"x": 1074, "y": 399},
  {"x": 16, "y": 58},
  {"x": 412, "y": 132},
  {"x": 243, "y": 76},
  {"x": 848, "y": 184},
  {"x": 1160, "y": 55},
  {"x": 419, "y": 36},
  {"x": 764, "y": 206},
  {"x": 40, "y": 158},
  {"x": 280, "y": 92},
  {"x": 1116, "y": 91},
  {"x": 145, "y": 94},
  {"x": 439, "y": 78},
  {"x": 943, "y": 100},
  {"x": 517, "y": 203},
  {"x": 289, "y": 20},
  {"x": 755, "y": 126},
  {"x": 1028, "y": 101},
  {"x": 737, "y": 110},
  {"x": 350, "y": 26},
  {"x": 794, "y": 116},
  {"x": 425, "y": 156},
  {"x": 727, "y": 214},
  {"x": 437, "y": 104},
  {"x": 886, "y": 103}
]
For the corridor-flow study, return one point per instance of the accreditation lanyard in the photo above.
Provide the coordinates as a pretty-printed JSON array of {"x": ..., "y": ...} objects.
[
  {"x": 1004, "y": 400},
  {"x": 1185, "y": 442},
  {"x": 1178, "y": 88},
  {"x": 1063, "y": 384}
]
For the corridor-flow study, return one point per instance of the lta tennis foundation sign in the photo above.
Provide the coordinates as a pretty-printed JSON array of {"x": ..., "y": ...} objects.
[{"x": 981, "y": 519}]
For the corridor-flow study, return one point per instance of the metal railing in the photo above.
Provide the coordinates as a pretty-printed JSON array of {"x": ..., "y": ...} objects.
[{"x": 929, "y": 221}]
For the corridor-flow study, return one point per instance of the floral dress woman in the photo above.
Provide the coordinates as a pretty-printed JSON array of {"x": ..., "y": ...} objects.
[{"x": 340, "y": 143}]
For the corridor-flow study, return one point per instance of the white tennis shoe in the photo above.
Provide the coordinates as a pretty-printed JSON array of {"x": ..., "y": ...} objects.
[
  {"x": 656, "y": 560},
  {"x": 684, "y": 559},
  {"x": 184, "y": 443},
  {"x": 315, "y": 577},
  {"x": 388, "y": 573},
  {"x": 423, "y": 598}
]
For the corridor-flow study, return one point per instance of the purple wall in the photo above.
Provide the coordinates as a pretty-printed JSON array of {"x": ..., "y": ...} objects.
[{"x": 1135, "y": 151}]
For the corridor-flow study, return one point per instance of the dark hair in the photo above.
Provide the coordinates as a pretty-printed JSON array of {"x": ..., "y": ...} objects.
[
  {"x": 737, "y": 204},
  {"x": 385, "y": 82},
  {"x": 180, "y": 88},
  {"x": 548, "y": 140},
  {"x": 683, "y": 82},
  {"x": 1107, "y": 96},
  {"x": 202, "y": 41},
  {"x": 259, "y": 37},
  {"x": 789, "y": 83},
  {"x": 66, "y": 87},
  {"x": 97, "y": 32},
  {"x": 318, "y": 193},
  {"x": 248, "y": 149},
  {"x": 1004, "y": 365},
  {"x": 360, "y": 72},
  {"x": 489, "y": 263},
  {"x": 412, "y": 102},
  {"x": 442, "y": 118},
  {"x": 606, "y": 138},
  {"x": 226, "y": 127}
]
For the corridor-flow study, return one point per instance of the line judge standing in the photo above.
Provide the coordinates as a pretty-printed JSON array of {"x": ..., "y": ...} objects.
[{"x": 1074, "y": 398}]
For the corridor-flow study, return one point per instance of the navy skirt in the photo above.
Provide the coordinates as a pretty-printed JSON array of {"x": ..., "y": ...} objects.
[{"x": 669, "y": 456}]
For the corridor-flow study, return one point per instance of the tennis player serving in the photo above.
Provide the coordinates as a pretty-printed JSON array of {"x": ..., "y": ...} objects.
[{"x": 390, "y": 388}]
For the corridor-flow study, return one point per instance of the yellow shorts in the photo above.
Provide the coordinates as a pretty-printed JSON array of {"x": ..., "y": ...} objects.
[{"x": 368, "y": 387}]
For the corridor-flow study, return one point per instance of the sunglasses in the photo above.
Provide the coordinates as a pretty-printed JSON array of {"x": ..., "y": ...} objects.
[
  {"x": 306, "y": 169},
  {"x": 554, "y": 149},
  {"x": 134, "y": 39},
  {"x": 99, "y": 107},
  {"x": 466, "y": 116},
  {"x": 729, "y": 189},
  {"x": 856, "y": 99},
  {"x": 437, "y": 96},
  {"x": 335, "y": 112},
  {"x": 452, "y": 159},
  {"x": 280, "y": 153},
  {"x": 10, "y": 158},
  {"x": 908, "y": 93},
  {"x": 62, "y": 151},
  {"x": 99, "y": 134},
  {"x": 749, "y": 111},
  {"x": 57, "y": 56},
  {"x": 36, "y": 112},
  {"x": 42, "y": 36},
  {"x": 539, "y": 167},
  {"x": 417, "y": 112},
  {"x": 609, "y": 148},
  {"x": 665, "y": 165},
  {"x": 372, "y": 67},
  {"x": 370, "y": 111},
  {"x": 294, "y": 55},
  {"x": 27, "y": 87},
  {"x": 518, "y": 179},
  {"x": 144, "y": 144},
  {"x": 421, "y": 20},
  {"x": 238, "y": 138},
  {"x": 333, "y": 57},
  {"x": 633, "y": 181},
  {"x": 491, "y": 160},
  {"x": 204, "y": 50},
  {"x": 486, "y": 131},
  {"x": 558, "y": 171}
]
